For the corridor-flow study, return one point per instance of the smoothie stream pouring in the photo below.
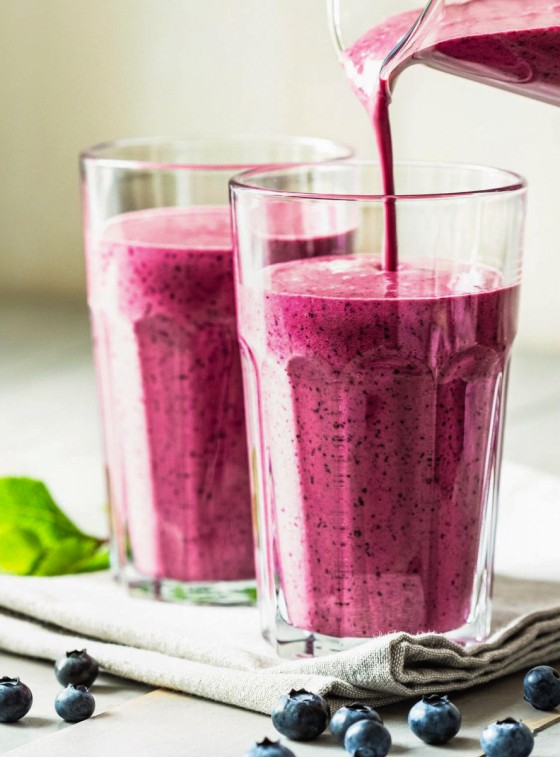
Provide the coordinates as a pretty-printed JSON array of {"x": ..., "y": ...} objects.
[
  {"x": 376, "y": 398},
  {"x": 509, "y": 44},
  {"x": 161, "y": 295}
]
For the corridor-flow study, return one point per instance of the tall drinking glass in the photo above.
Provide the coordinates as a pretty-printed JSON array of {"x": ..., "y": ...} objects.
[
  {"x": 376, "y": 399},
  {"x": 161, "y": 295}
]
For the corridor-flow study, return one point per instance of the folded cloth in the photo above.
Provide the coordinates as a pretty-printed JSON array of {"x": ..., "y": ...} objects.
[{"x": 217, "y": 653}]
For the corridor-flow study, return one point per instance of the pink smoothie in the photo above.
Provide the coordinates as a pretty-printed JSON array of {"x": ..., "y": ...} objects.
[
  {"x": 380, "y": 396},
  {"x": 510, "y": 44},
  {"x": 162, "y": 303}
]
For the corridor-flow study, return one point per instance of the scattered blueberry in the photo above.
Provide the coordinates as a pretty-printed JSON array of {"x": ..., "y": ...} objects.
[
  {"x": 347, "y": 716},
  {"x": 74, "y": 704},
  {"x": 434, "y": 719},
  {"x": 507, "y": 738},
  {"x": 367, "y": 738},
  {"x": 15, "y": 699},
  {"x": 76, "y": 667},
  {"x": 301, "y": 715},
  {"x": 542, "y": 687},
  {"x": 267, "y": 748}
]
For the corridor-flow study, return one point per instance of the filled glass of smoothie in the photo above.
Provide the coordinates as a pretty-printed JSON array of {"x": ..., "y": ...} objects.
[
  {"x": 161, "y": 295},
  {"x": 375, "y": 394}
]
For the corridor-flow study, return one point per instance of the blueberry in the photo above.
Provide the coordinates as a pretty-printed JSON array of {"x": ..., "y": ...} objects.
[
  {"x": 266, "y": 748},
  {"x": 507, "y": 738},
  {"x": 74, "y": 704},
  {"x": 542, "y": 687},
  {"x": 434, "y": 719},
  {"x": 367, "y": 738},
  {"x": 301, "y": 715},
  {"x": 15, "y": 699},
  {"x": 76, "y": 667},
  {"x": 347, "y": 716}
]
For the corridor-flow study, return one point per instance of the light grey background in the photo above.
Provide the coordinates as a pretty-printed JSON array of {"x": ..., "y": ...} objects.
[{"x": 76, "y": 72}]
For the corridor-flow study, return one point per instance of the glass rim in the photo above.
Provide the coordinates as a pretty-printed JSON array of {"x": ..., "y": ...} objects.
[
  {"x": 513, "y": 182},
  {"x": 103, "y": 153}
]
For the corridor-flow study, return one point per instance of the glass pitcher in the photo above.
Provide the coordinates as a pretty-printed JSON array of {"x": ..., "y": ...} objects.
[{"x": 510, "y": 44}]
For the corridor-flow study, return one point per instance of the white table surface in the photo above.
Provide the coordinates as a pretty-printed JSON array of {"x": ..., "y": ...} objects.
[{"x": 50, "y": 430}]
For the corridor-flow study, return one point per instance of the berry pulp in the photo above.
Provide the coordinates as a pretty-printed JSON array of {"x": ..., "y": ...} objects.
[
  {"x": 379, "y": 402},
  {"x": 163, "y": 312}
]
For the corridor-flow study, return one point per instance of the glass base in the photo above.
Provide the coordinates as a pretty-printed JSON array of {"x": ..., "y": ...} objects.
[
  {"x": 294, "y": 643},
  {"x": 191, "y": 593}
]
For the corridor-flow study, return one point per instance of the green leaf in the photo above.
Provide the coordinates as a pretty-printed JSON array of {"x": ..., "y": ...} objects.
[
  {"x": 18, "y": 550},
  {"x": 38, "y": 539},
  {"x": 98, "y": 561},
  {"x": 251, "y": 595}
]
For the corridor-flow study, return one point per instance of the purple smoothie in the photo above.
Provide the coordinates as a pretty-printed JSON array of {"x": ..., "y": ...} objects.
[
  {"x": 163, "y": 310},
  {"x": 380, "y": 397},
  {"x": 510, "y": 44}
]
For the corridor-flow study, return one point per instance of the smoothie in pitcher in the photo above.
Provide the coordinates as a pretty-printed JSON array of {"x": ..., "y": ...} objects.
[
  {"x": 381, "y": 395},
  {"x": 163, "y": 311},
  {"x": 509, "y": 44}
]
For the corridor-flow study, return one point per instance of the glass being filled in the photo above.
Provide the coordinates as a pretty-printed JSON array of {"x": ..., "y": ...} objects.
[{"x": 376, "y": 398}]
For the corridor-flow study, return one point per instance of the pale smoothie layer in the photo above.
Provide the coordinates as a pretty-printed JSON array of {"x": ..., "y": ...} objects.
[
  {"x": 163, "y": 310},
  {"x": 380, "y": 395}
]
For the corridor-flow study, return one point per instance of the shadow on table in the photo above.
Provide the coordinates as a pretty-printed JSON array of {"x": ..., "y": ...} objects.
[
  {"x": 32, "y": 722},
  {"x": 462, "y": 744}
]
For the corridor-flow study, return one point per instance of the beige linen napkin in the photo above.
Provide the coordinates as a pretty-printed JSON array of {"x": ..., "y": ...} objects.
[{"x": 217, "y": 653}]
